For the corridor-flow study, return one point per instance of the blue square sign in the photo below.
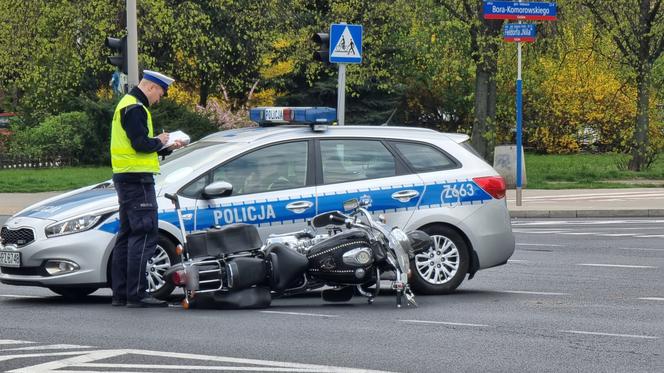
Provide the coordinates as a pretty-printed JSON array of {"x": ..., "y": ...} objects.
[{"x": 345, "y": 43}]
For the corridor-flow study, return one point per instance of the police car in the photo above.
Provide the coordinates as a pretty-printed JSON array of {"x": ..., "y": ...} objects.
[{"x": 277, "y": 176}]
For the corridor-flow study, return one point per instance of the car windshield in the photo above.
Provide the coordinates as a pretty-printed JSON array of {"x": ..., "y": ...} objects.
[{"x": 184, "y": 161}]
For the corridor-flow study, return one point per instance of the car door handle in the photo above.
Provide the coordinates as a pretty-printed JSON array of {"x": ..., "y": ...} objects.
[
  {"x": 405, "y": 195},
  {"x": 299, "y": 206}
]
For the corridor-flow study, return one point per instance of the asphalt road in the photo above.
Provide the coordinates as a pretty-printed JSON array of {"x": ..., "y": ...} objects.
[{"x": 578, "y": 295}]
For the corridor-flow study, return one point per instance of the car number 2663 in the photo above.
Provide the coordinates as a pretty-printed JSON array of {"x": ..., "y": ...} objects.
[{"x": 10, "y": 259}]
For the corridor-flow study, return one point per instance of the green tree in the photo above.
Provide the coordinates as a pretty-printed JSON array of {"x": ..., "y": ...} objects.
[
  {"x": 50, "y": 51},
  {"x": 485, "y": 44},
  {"x": 637, "y": 29}
]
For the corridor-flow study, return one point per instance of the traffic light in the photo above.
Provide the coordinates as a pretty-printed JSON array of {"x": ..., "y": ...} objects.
[
  {"x": 118, "y": 46},
  {"x": 323, "y": 52}
]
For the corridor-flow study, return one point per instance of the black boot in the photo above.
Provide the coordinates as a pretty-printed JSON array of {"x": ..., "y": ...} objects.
[{"x": 147, "y": 302}]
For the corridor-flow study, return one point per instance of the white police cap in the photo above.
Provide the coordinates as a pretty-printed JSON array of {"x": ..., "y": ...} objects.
[{"x": 158, "y": 78}]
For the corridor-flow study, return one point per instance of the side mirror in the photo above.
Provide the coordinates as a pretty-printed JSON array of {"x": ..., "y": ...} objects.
[
  {"x": 351, "y": 204},
  {"x": 328, "y": 218},
  {"x": 217, "y": 189}
]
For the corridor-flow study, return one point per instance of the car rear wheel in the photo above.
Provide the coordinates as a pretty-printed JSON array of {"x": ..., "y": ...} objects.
[
  {"x": 164, "y": 256},
  {"x": 442, "y": 268},
  {"x": 73, "y": 292}
]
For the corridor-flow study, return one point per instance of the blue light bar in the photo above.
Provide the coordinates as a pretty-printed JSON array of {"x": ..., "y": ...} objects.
[{"x": 292, "y": 115}]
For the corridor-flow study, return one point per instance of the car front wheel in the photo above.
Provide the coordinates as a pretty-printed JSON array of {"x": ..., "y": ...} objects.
[
  {"x": 164, "y": 256},
  {"x": 442, "y": 268}
]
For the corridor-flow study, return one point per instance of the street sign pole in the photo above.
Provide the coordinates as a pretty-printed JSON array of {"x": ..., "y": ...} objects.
[
  {"x": 341, "y": 94},
  {"x": 521, "y": 10},
  {"x": 345, "y": 47},
  {"x": 132, "y": 45},
  {"x": 519, "y": 86}
]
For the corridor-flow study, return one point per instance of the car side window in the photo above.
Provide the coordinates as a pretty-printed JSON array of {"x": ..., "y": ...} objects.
[
  {"x": 348, "y": 160},
  {"x": 194, "y": 189},
  {"x": 424, "y": 158},
  {"x": 276, "y": 167}
]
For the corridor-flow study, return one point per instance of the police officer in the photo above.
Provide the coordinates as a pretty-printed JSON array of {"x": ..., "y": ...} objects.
[{"x": 134, "y": 156}]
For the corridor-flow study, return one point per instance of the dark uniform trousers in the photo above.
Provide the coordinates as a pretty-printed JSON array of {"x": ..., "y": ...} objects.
[{"x": 136, "y": 241}]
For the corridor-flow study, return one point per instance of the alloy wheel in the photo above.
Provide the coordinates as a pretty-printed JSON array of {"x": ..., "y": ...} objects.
[
  {"x": 440, "y": 263},
  {"x": 156, "y": 267}
]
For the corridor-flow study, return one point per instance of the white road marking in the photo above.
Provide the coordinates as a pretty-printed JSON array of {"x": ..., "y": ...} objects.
[
  {"x": 45, "y": 347},
  {"x": 652, "y": 298},
  {"x": 23, "y": 356},
  {"x": 13, "y": 342},
  {"x": 539, "y": 231},
  {"x": 640, "y": 248},
  {"x": 585, "y": 222},
  {"x": 443, "y": 323},
  {"x": 650, "y": 236},
  {"x": 609, "y": 334},
  {"x": 517, "y": 261},
  {"x": 186, "y": 368},
  {"x": 616, "y": 265},
  {"x": 539, "y": 244},
  {"x": 616, "y": 234},
  {"x": 580, "y": 233},
  {"x": 299, "y": 313},
  {"x": 530, "y": 292},
  {"x": 88, "y": 360},
  {"x": 18, "y": 296}
]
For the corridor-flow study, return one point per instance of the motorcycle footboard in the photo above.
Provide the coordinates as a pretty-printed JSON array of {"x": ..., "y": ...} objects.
[
  {"x": 206, "y": 276},
  {"x": 250, "y": 298}
]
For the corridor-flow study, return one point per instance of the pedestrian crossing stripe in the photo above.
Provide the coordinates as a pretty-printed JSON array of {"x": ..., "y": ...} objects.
[{"x": 101, "y": 360}]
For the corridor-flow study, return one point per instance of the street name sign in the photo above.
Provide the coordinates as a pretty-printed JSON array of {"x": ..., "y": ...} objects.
[
  {"x": 519, "y": 32},
  {"x": 520, "y": 11},
  {"x": 345, "y": 43}
]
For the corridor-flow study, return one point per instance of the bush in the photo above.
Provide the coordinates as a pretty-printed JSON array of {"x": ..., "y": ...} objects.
[
  {"x": 58, "y": 137},
  {"x": 170, "y": 116}
]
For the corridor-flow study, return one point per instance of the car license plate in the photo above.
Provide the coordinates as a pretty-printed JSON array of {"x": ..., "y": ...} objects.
[
  {"x": 10, "y": 259},
  {"x": 274, "y": 114}
]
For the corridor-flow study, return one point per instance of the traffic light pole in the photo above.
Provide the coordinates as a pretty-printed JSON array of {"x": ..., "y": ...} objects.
[
  {"x": 132, "y": 45},
  {"x": 341, "y": 95}
]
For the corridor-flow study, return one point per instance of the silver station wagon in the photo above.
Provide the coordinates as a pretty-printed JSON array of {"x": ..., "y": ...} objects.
[{"x": 282, "y": 175}]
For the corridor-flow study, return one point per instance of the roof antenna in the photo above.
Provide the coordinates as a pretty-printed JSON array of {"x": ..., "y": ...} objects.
[{"x": 387, "y": 122}]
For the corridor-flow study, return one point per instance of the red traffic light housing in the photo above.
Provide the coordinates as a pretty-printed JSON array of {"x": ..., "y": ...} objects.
[{"x": 118, "y": 46}]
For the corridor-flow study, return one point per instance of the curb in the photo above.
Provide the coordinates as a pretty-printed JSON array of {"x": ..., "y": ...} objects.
[{"x": 637, "y": 213}]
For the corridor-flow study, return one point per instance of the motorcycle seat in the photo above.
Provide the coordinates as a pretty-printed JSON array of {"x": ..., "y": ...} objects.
[{"x": 225, "y": 240}]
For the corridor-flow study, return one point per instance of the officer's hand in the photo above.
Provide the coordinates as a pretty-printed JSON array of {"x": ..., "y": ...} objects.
[
  {"x": 177, "y": 145},
  {"x": 163, "y": 137}
]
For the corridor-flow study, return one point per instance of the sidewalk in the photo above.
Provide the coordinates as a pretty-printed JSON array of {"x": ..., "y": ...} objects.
[
  {"x": 536, "y": 203},
  {"x": 584, "y": 203}
]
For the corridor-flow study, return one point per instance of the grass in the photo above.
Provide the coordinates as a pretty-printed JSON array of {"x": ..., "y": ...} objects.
[
  {"x": 51, "y": 179},
  {"x": 574, "y": 171},
  {"x": 587, "y": 171}
]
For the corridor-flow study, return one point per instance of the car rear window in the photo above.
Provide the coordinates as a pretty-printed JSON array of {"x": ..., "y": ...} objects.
[
  {"x": 424, "y": 158},
  {"x": 468, "y": 146}
]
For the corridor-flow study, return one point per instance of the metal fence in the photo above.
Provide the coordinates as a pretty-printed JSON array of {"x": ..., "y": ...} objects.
[{"x": 9, "y": 162}]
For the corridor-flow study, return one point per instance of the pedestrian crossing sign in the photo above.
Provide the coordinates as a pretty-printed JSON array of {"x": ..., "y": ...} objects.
[{"x": 345, "y": 43}]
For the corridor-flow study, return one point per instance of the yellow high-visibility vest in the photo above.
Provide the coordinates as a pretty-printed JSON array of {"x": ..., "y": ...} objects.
[{"x": 124, "y": 157}]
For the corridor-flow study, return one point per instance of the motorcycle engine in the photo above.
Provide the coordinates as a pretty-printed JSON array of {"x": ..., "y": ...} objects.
[{"x": 346, "y": 258}]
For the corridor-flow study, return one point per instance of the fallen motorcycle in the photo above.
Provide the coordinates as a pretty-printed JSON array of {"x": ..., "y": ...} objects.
[{"x": 229, "y": 266}]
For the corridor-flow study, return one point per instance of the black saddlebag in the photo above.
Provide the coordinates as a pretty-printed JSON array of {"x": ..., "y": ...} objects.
[
  {"x": 326, "y": 259},
  {"x": 229, "y": 239},
  {"x": 256, "y": 297}
]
